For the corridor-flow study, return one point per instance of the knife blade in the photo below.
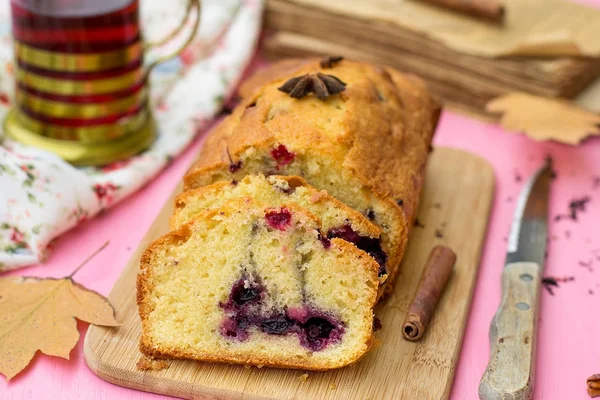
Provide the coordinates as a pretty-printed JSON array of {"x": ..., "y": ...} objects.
[{"x": 510, "y": 372}]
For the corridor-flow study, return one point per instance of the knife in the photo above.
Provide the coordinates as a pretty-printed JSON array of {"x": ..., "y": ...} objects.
[{"x": 510, "y": 371}]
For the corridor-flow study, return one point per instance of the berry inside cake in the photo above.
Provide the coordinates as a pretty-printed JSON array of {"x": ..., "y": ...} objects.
[
  {"x": 337, "y": 219},
  {"x": 251, "y": 283}
]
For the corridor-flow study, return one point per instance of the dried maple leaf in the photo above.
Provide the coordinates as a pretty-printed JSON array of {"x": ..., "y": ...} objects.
[
  {"x": 543, "y": 118},
  {"x": 39, "y": 314}
]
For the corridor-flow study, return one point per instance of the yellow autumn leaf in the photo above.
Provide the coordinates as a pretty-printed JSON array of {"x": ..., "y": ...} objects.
[
  {"x": 39, "y": 314},
  {"x": 544, "y": 118}
]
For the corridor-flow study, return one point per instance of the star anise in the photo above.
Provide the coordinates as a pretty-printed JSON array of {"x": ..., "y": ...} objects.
[
  {"x": 329, "y": 62},
  {"x": 321, "y": 85}
]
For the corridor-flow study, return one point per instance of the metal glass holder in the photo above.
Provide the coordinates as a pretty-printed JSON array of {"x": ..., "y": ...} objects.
[{"x": 80, "y": 153}]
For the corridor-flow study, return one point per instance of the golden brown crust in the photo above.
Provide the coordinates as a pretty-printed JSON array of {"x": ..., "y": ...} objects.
[
  {"x": 361, "y": 259},
  {"x": 183, "y": 198},
  {"x": 396, "y": 132},
  {"x": 148, "y": 350}
]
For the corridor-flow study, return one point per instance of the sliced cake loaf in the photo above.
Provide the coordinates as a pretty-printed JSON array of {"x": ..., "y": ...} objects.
[
  {"x": 337, "y": 219},
  {"x": 256, "y": 284},
  {"x": 367, "y": 146}
]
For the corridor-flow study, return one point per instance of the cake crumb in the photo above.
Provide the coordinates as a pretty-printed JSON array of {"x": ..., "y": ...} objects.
[
  {"x": 303, "y": 377},
  {"x": 260, "y": 365},
  {"x": 247, "y": 366},
  {"x": 332, "y": 386},
  {"x": 418, "y": 223},
  {"x": 146, "y": 363},
  {"x": 376, "y": 324}
]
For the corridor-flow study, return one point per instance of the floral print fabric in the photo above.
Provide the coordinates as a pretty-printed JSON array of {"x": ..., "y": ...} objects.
[{"x": 41, "y": 196}]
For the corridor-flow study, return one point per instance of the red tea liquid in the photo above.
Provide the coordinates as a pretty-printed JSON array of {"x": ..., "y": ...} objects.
[{"x": 78, "y": 27}]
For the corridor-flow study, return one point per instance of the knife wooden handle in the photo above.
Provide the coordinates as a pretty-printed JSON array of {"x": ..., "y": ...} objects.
[{"x": 511, "y": 370}]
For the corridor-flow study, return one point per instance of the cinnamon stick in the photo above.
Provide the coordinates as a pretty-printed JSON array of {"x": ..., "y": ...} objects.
[
  {"x": 433, "y": 281},
  {"x": 594, "y": 385},
  {"x": 488, "y": 10}
]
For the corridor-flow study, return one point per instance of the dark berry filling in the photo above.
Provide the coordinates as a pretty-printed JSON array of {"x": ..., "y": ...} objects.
[
  {"x": 277, "y": 325},
  {"x": 370, "y": 245},
  {"x": 236, "y": 327},
  {"x": 317, "y": 332},
  {"x": 245, "y": 295},
  {"x": 344, "y": 232},
  {"x": 233, "y": 167},
  {"x": 279, "y": 219},
  {"x": 282, "y": 156},
  {"x": 370, "y": 214},
  {"x": 245, "y": 309},
  {"x": 317, "y": 329},
  {"x": 324, "y": 241},
  {"x": 244, "y": 292}
]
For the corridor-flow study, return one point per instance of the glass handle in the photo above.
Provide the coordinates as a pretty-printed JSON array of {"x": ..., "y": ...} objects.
[{"x": 192, "y": 4}]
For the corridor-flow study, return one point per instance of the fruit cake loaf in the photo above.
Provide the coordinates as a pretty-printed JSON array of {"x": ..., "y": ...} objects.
[
  {"x": 337, "y": 219},
  {"x": 250, "y": 283},
  {"x": 367, "y": 146}
]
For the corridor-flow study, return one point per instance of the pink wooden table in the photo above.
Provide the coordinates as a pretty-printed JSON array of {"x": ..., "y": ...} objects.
[{"x": 568, "y": 347}]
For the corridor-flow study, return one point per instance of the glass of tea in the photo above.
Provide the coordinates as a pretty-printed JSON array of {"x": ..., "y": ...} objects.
[{"x": 81, "y": 81}]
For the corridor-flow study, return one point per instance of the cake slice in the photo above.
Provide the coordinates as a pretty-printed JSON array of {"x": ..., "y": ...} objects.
[
  {"x": 254, "y": 284},
  {"x": 337, "y": 219},
  {"x": 366, "y": 146}
]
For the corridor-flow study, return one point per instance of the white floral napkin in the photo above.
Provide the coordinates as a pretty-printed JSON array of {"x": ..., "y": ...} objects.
[{"x": 41, "y": 196}]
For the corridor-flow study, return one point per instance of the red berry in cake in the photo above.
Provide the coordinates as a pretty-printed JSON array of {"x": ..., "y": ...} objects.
[
  {"x": 245, "y": 309},
  {"x": 299, "y": 314},
  {"x": 325, "y": 241},
  {"x": 344, "y": 232},
  {"x": 280, "y": 219},
  {"x": 282, "y": 156}
]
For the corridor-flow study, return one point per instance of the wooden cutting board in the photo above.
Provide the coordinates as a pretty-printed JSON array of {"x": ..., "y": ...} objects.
[{"x": 454, "y": 211}]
